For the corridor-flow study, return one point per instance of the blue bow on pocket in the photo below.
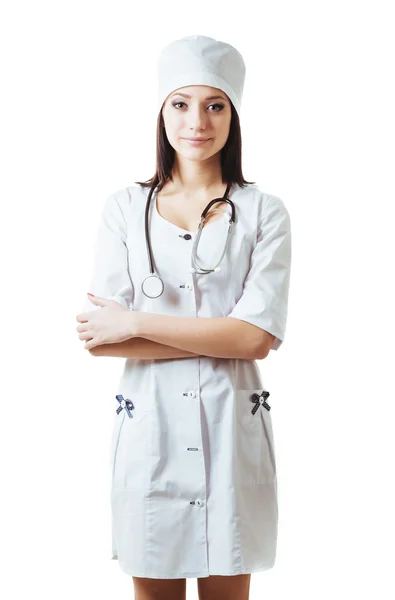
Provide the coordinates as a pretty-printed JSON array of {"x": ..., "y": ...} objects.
[{"x": 124, "y": 404}]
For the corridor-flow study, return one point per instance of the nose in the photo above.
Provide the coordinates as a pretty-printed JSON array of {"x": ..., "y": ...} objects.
[{"x": 197, "y": 118}]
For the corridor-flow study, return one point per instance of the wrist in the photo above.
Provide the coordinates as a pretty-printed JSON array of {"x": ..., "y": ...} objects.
[{"x": 135, "y": 323}]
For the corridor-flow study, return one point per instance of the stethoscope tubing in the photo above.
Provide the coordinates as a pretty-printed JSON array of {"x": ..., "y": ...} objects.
[{"x": 201, "y": 270}]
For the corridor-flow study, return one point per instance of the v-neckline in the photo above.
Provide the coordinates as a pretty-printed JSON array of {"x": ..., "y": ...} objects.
[{"x": 222, "y": 218}]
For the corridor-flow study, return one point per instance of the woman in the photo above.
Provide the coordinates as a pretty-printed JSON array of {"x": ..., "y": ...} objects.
[{"x": 194, "y": 486}]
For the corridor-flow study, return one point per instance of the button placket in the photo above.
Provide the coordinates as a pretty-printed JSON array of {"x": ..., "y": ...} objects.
[
  {"x": 197, "y": 502},
  {"x": 191, "y": 393}
]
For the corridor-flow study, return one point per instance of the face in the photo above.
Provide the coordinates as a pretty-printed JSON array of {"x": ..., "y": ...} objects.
[{"x": 197, "y": 111}]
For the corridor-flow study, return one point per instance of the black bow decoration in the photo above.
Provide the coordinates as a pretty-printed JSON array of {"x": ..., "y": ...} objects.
[{"x": 260, "y": 400}]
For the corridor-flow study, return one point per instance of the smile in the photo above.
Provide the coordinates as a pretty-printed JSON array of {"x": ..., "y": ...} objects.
[{"x": 196, "y": 142}]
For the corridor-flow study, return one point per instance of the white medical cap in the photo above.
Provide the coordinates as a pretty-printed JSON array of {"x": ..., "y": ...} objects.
[{"x": 201, "y": 60}]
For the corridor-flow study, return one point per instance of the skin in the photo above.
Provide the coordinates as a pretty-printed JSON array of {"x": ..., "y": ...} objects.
[
  {"x": 197, "y": 169},
  {"x": 214, "y": 587}
]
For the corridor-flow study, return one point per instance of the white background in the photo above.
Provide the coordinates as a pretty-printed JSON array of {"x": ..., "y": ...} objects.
[{"x": 78, "y": 117}]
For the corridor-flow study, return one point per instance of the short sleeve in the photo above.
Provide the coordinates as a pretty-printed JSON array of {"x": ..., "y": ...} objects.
[
  {"x": 264, "y": 300},
  {"x": 111, "y": 278}
]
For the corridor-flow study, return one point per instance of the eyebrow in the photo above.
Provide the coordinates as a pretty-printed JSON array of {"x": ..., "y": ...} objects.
[{"x": 208, "y": 97}]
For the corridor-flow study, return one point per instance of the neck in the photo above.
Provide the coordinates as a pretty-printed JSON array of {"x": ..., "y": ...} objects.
[{"x": 196, "y": 177}]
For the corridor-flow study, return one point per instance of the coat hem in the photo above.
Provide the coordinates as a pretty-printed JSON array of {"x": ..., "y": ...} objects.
[{"x": 206, "y": 573}]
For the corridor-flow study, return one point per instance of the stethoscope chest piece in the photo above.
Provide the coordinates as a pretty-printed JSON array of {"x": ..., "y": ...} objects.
[{"x": 152, "y": 286}]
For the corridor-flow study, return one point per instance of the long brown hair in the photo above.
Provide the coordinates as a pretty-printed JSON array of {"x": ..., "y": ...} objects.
[{"x": 230, "y": 156}]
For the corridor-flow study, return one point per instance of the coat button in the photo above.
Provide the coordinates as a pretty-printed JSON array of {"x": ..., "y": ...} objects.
[
  {"x": 189, "y": 287},
  {"x": 199, "y": 502},
  {"x": 191, "y": 394}
]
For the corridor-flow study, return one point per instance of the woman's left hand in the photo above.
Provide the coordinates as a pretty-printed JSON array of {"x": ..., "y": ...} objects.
[{"x": 113, "y": 323}]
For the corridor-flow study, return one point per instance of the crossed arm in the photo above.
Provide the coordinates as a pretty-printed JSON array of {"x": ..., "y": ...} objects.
[{"x": 163, "y": 336}]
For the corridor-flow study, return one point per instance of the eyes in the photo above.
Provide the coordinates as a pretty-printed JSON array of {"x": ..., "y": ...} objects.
[{"x": 221, "y": 106}]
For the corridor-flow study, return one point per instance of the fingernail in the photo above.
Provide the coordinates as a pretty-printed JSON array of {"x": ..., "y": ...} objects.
[{"x": 89, "y": 294}]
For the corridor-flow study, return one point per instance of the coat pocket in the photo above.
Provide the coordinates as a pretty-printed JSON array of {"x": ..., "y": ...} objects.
[
  {"x": 129, "y": 442},
  {"x": 256, "y": 462}
]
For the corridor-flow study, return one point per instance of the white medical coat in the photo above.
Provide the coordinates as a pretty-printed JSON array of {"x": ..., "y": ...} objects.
[{"x": 194, "y": 484}]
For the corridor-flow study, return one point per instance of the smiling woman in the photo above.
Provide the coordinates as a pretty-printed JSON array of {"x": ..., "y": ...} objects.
[
  {"x": 197, "y": 132},
  {"x": 188, "y": 113},
  {"x": 201, "y": 471}
]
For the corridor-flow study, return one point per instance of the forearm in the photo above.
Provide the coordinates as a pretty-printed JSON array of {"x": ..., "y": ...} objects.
[
  {"x": 220, "y": 337},
  {"x": 138, "y": 347}
]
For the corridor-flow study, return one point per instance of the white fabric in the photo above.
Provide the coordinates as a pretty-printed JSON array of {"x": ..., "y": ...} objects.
[
  {"x": 201, "y": 60},
  {"x": 194, "y": 484},
  {"x": 110, "y": 277}
]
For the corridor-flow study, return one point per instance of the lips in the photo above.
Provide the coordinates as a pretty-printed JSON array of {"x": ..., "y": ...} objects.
[{"x": 195, "y": 142}]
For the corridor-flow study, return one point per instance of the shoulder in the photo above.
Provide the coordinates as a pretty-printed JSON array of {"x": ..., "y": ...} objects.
[
  {"x": 120, "y": 201},
  {"x": 267, "y": 207},
  {"x": 271, "y": 204},
  {"x": 273, "y": 211},
  {"x": 131, "y": 193}
]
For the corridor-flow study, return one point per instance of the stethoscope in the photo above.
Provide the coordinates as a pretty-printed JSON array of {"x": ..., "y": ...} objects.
[{"x": 153, "y": 286}]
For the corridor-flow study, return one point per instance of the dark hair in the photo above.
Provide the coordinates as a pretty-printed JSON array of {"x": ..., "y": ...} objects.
[{"x": 230, "y": 156}]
